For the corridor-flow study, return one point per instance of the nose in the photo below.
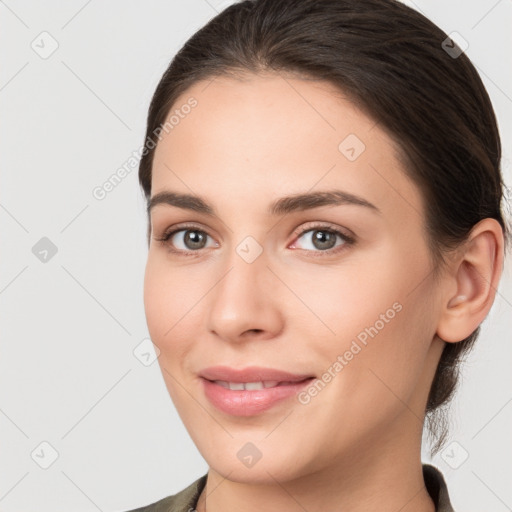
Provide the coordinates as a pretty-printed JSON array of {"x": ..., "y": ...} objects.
[{"x": 244, "y": 304}]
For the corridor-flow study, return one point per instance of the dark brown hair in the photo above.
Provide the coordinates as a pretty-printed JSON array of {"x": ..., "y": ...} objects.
[{"x": 391, "y": 62}]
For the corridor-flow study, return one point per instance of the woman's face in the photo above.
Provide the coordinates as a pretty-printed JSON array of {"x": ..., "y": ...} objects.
[{"x": 248, "y": 285}]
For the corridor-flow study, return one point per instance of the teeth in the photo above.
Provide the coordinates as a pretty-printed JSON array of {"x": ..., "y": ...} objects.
[
  {"x": 239, "y": 386},
  {"x": 254, "y": 385}
]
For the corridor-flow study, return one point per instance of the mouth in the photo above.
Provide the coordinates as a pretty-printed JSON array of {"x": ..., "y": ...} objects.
[
  {"x": 250, "y": 386},
  {"x": 252, "y": 390}
]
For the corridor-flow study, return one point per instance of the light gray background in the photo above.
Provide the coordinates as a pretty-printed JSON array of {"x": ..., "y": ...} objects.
[{"x": 68, "y": 374}]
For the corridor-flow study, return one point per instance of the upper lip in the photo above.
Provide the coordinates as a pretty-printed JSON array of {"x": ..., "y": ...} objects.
[{"x": 250, "y": 374}]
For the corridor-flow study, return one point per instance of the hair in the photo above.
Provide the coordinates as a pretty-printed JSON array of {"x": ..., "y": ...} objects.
[{"x": 391, "y": 62}]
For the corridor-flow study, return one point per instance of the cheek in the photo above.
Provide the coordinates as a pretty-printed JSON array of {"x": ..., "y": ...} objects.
[
  {"x": 169, "y": 298},
  {"x": 155, "y": 300},
  {"x": 380, "y": 321},
  {"x": 351, "y": 297},
  {"x": 164, "y": 306},
  {"x": 169, "y": 293}
]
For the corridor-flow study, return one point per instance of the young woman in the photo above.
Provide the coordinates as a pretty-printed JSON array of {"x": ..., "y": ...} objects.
[{"x": 325, "y": 237}]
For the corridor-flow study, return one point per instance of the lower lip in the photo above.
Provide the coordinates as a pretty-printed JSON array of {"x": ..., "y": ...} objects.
[{"x": 249, "y": 402}]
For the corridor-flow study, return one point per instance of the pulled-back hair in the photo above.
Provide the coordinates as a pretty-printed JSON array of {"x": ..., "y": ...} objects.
[{"x": 396, "y": 66}]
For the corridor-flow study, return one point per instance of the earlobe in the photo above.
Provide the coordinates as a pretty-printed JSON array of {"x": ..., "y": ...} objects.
[{"x": 475, "y": 274}]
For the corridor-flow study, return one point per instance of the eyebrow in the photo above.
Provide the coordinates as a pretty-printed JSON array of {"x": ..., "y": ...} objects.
[{"x": 283, "y": 205}]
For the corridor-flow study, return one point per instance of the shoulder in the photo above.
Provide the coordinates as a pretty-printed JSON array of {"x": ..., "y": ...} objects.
[
  {"x": 437, "y": 488},
  {"x": 183, "y": 501}
]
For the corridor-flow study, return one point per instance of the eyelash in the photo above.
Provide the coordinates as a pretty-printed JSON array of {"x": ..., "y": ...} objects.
[{"x": 348, "y": 240}]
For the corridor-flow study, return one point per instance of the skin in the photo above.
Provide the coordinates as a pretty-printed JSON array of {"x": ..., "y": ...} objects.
[{"x": 356, "y": 445}]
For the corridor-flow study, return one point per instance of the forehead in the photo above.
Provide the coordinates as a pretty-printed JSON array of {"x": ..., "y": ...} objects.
[{"x": 266, "y": 135}]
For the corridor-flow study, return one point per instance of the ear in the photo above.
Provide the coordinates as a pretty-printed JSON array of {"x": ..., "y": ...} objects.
[{"x": 472, "y": 282}]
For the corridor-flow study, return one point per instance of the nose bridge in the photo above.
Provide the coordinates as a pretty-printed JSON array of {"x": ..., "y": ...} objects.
[
  {"x": 245, "y": 276},
  {"x": 243, "y": 298}
]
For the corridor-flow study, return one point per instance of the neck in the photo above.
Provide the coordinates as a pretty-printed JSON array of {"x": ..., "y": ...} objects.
[{"x": 382, "y": 475}]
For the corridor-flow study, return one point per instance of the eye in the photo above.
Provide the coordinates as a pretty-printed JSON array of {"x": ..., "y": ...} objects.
[
  {"x": 323, "y": 239},
  {"x": 185, "y": 239},
  {"x": 319, "y": 239}
]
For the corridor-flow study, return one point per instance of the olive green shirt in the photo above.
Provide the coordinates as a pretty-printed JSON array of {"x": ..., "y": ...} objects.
[{"x": 186, "y": 500}]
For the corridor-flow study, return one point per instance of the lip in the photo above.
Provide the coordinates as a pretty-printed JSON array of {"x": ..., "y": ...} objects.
[
  {"x": 250, "y": 374},
  {"x": 250, "y": 402}
]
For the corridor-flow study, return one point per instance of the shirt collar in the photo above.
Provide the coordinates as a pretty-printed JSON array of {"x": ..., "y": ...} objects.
[{"x": 436, "y": 487}]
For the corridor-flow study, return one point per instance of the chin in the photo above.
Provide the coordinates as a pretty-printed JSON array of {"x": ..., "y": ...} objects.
[
  {"x": 260, "y": 473},
  {"x": 255, "y": 463}
]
